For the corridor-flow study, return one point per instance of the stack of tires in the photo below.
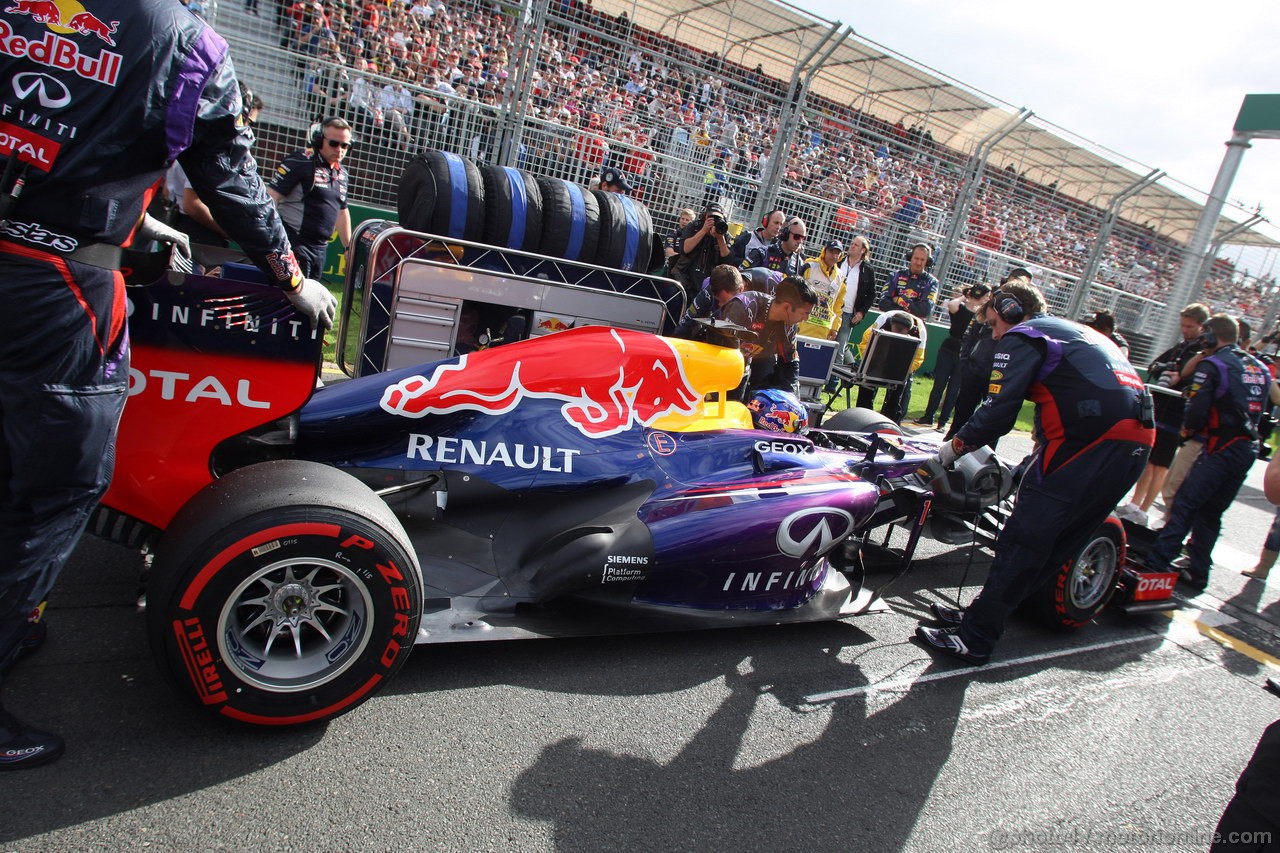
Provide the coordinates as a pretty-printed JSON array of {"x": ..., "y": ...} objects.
[{"x": 446, "y": 194}]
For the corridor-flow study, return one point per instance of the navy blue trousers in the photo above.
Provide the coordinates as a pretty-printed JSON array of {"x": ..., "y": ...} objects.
[
  {"x": 64, "y": 365},
  {"x": 1053, "y": 518},
  {"x": 1210, "y": 487}
]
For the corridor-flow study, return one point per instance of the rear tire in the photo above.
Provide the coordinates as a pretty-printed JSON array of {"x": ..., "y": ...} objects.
[
  {"x": 1084, "y": 585},
  {"x": 284, "y": 593}
]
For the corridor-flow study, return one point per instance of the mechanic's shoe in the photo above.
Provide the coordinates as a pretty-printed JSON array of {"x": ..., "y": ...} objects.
[
  {"x": 923, "y": 421},
  {"x": 1259, "y": 572},
  {"x": 1133, "y": 512},
  {"x": 22, "y": 746},
  {"x": 1191, "y": 583},
  {"x": 947, "y": 615},
  {"x": 948, "y": 642}
]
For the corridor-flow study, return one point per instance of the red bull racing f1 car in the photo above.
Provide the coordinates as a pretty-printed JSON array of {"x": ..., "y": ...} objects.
[{"x": 589, "y": 481}]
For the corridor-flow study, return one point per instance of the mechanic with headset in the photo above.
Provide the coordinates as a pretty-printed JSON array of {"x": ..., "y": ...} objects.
[
  {"x": 72, "y": 198},
  {"x": 1225, "y": 399},
  {"x": 750, "y": 247},
  {"x": 913, "y": 289},
  {"x": 774, "y": 320},
  {"x": 1093, "y": 432},
  {"x": 784, "y": 254},
  {"x": 310, "y": 189}
]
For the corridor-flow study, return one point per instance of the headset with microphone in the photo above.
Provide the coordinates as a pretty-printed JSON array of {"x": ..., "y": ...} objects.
[
  {"x": 1007, "y": 307},
  {"x": 928, "y": 264}
]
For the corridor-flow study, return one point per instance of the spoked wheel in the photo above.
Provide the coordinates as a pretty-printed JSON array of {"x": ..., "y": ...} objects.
[
  {"x": 284, "y": 593},
  {"x": 1083, "y": 586}
]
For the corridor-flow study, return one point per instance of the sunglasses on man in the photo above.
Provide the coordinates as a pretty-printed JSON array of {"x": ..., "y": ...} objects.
[{"x": 337, "y": 143}]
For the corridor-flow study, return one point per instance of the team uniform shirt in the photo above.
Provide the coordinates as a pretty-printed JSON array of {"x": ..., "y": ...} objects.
[
  {"x": 772, "y": 358},
  {"x": 828, "y": 285},
  {"x": 1226, "y": 398},
  {"x": 1084, "y": 389},
  {"x": 748, "y": 250},
  {"x": 775, "y": 259},
  {"x": 311, "y": 195},
  {"x": 91, "y": 163},
  {"x": 914, "y": 293}
]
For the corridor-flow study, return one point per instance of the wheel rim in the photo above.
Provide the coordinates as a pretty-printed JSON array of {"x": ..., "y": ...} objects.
[
  {"x": 1092, "y": 573},
  {"x": 295, "y": 624}
]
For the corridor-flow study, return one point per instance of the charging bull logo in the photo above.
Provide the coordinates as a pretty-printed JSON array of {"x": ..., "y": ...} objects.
[
  {"x": 65, "y": 16},
  {"x": 608, "y": 379}
]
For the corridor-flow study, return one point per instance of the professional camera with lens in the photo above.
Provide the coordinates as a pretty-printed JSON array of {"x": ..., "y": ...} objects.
[{"x": 716, "y": 212}]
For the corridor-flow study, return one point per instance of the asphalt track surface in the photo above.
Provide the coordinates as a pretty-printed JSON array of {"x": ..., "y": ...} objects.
[{"x": 1126, "y": 735}]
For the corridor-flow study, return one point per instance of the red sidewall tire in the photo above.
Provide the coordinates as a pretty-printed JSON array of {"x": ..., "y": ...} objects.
[
  {"x": 1066, "y": 603},
  {"x": 299, "y": 546}
]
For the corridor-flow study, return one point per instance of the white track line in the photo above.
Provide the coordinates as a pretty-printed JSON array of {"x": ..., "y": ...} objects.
[{"x": 971, "y": 672}]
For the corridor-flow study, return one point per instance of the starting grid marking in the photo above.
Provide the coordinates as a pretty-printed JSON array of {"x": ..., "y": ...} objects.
[{"x": 1208, "y": 623}]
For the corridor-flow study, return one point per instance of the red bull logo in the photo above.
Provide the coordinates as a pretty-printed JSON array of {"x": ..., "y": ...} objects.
[
  {"x": 65, "y": 17},
  {"x": 553, "y": 324},
  {"x": 619, "y": 378}
]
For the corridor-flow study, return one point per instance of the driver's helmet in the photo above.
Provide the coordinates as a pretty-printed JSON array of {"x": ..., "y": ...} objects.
[{"x": 778, "y": 411}]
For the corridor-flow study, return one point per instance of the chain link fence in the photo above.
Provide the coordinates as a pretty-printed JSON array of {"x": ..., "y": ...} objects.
[{"x": 750, "y": 104}]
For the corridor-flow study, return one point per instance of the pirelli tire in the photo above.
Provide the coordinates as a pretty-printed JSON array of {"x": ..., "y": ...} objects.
[
  {"x": 513, "y": 208},
  {"x": 1083, "y": 587},
  {"x": 442, "y": 193},
  {"x": 626, "y": 232},
  {"x": 570, "y": 221},
  {"x": 284, "y": 593},
  {"x": 861, "y": 420}
]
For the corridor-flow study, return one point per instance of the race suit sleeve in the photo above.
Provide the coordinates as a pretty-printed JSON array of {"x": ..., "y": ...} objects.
[
  {"x": 738, "y": 251},
  {"x": 699, "y": 307},
  {"x": 1014, "y": 368},
  {"x": 223, "y": 172},
  {"x": 890, "y": 292}
]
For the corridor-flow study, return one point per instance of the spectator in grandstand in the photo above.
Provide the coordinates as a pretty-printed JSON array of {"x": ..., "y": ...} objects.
[
  {"x": 913, "y": 289},
  {"x": 771, "y": 359},
  {"x": 702, "y": 247},
  {"x": 397, "y": 111},
  {"x": 1105, "y": 322},
  {"x": 724, "y": 283},
  {"x": 1172, "y": 370},
  {"x": 828, "y": 285},
  {"x": 310, "y": 191},
  {"x": 895, "y": 399},
  {"x": 749, "y": 248},
  {"x": 362, "y": 106},
  {"x": 946, "y": 367}
]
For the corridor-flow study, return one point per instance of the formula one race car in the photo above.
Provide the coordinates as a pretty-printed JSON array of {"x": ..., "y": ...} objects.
[{"x": 589, "y": 481}]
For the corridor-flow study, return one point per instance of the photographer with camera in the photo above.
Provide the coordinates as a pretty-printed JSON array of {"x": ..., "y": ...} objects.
[
  {"x": 703, "y": 246},
  {"x": 1225, "y": 398}
]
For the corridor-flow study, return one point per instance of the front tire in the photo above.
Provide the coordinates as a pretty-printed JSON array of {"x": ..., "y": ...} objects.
[
  {"x": 1083, "y": 586},
  {"x": 284, "y": 593}
]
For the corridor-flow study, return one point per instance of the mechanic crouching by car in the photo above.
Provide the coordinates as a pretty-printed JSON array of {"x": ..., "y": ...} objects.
[
  {"x": 1225, "y": 399},
  {"x": 1093, "y": 432},
  {"x": 70, "y": 198},
  {"x": 773, "y": 320}
]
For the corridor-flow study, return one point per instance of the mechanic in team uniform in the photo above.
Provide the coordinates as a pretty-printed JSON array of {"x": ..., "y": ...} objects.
[
  {"x": 774, "y": 318},
  {"x": 724, "y": 283},
  {"x": 310, "y": 189},
  {"x": 1225, "y": 399},
  {"x": 915, "y": 288},
  {"x": 72, "y": 194},
  {"x": 1093, "y": 432}
]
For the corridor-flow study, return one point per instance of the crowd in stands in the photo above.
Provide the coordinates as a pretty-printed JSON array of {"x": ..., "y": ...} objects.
[{"x": 610, "y": 92}]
